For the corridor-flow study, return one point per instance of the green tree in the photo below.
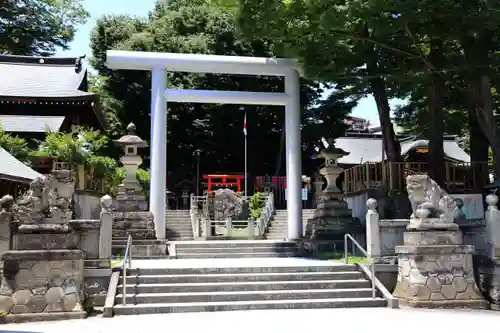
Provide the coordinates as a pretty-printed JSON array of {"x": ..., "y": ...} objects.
[
  {"x": 16, "y": 146},
  {"x": 39, "y": 27}
]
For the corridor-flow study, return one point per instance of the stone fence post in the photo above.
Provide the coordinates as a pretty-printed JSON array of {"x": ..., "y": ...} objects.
[
  {"x": 106, "y": 231},
  {"x": 372, "y": 229},
  {"x": 492, "y": 219}
]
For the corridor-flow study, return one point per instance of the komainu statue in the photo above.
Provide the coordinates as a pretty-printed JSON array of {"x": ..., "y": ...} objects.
[
  {"x": 431, "y": 206},
  {"x": 32, "y": 207}
]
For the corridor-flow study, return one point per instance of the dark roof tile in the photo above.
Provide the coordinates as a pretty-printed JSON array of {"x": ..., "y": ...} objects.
[{"x": 39, "y": 77}]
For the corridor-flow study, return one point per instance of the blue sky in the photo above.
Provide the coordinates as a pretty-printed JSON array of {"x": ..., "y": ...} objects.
[{"x": 80, "y": 46}]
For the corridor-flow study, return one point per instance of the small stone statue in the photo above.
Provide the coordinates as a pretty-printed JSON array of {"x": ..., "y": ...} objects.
[
  {"x": 429, "y": 202},
  {"x": 32, "y": 207}
]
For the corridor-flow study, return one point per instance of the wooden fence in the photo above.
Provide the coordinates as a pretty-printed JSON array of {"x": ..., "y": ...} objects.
[{"x": 459, "y": 177}]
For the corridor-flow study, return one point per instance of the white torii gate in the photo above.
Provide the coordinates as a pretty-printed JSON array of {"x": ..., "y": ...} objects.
[{"x": 159, "y": 63}]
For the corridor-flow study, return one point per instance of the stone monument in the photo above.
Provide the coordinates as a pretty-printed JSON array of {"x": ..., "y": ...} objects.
[
  {"x": 227, "y": 204},
  {"x": 43, "y": 270},
  {"x": 332, "y": 218},
  {"x": 435, "y": 267},
  {"x": 131, "y": 215}
]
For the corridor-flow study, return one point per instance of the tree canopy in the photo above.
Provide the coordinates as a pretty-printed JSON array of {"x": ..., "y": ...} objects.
[
  {"x": 442, "y": 56},
  {"x": 39, "y": 27}
]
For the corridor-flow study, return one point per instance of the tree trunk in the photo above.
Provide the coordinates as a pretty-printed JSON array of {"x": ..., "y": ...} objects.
[
  {"x": 478, "y": 147},
  {"x": 390, "y": 143},
  {"x": 436, "y": 128},
  {"x": 487, "y": 120},
  {"x": 476, "y": 53}
]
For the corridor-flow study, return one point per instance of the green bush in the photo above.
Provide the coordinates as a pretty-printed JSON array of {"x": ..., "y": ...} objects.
[{"x": 255, "y": 205}]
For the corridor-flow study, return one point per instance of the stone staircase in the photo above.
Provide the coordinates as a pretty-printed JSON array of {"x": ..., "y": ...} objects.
[
  {"x": 278, "y": 227},
  {"x": 182, "y": 289},
  {"x": 234, "y": 249},
  {"x": 179, "y": 226}
]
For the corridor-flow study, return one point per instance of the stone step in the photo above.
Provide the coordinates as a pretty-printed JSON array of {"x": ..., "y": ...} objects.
[
  {"x": 222, "y": 250},
  {"x": 235, "y": 296},
  {"x": 243, "y": 269},
  {"x": 248, "y": 305},
  {"x": 123, "y": 242},
  {"x": 179, "y": 231},
  {"x": 171, "y": 235},
  {"x": 235, "y": 244},
  {"x": 209, "y": 255},
  {"x": 244, "y": 286},
  {"x": 278, "y": 229},
  {"x": 142, "y": 251},
  {"x": 242, "y": 277}
]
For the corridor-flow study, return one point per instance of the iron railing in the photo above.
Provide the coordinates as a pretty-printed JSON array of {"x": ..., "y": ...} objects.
[
  {"x": 127, "y": 261},
  {"x": 372, "y": 261}
]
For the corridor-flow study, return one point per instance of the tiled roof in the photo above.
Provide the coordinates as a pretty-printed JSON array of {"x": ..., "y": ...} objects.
[
  {"x": 30, "y": 124},
  {"x": 369, "y": 148},
  {"x": 39, "y": 77},
  {"x": 13, "y": 169}
]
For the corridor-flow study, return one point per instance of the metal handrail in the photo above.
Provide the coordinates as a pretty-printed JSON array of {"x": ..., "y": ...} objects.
[
  {"x": 127, "y": 261},
  {"x": 346, "y": 260}
]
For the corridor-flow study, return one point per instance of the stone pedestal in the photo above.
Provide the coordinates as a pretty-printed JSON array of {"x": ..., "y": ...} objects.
[
  {"x": 131, "y": 216},
  {"x": 44, "y": 237},
  {"x": 42, "y": 285},
  {"x": 332, "y": 220},
  {"x": 435, "y": 271}
]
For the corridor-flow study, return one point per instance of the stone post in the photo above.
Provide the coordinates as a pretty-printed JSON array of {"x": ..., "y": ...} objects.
[
  {"x": 372, "y": 229},
  {"x": 492, "y": 218},
  {"x": 251, "y": 228},
  {"x": 6, "y": 216},
  {"x": 229, "y": 226},
  {"x": 106, "y": 229},
  {"x": 318, "y": 188},
  {"x": 208, "y": 227}
]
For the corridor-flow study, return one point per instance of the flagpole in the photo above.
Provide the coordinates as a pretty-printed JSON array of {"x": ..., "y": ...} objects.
[
  {"x": 246, "y": 153},
  {"x": 246, "y": 165}
]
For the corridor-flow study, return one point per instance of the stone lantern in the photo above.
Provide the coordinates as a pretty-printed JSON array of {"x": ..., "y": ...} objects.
[
  {"x": 331, "y": 170},
  {"x": 131, "y": 160},
  {"x": 332, "y": 218}
]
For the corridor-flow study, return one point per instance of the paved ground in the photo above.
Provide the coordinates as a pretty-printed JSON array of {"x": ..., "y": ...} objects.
[
  {"x": 287, "y": 321},
  {"x": 236, "y": 262}
]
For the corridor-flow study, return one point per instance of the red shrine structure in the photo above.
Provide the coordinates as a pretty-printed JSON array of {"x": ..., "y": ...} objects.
[{"x": 216, "y": 181}]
